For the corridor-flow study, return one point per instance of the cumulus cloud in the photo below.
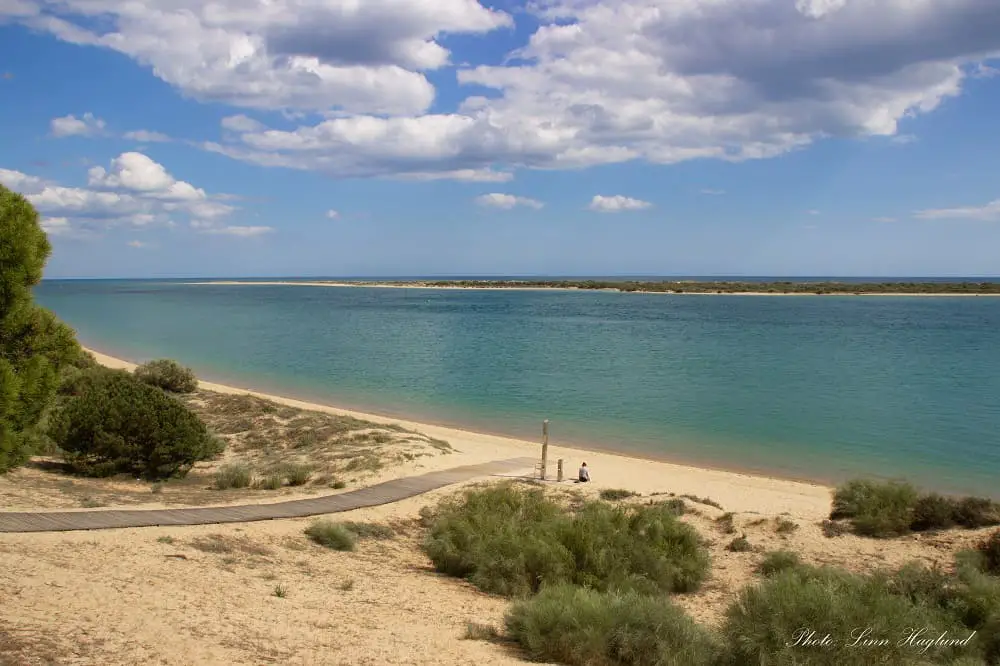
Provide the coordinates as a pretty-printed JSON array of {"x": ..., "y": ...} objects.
[
  {"x": 147, "y": 136},
  {"x": 87, "y": 125},
  {"x": 133, "y": 191},
  {"x": 598, "y": 82},
  {"x": 313, "y": 55},
  {"x": 137, "y": 244},
  {"x": 332, "y": 214},
  {"x": 507, "y": 201},
  {"x": 616, "y": 203},
  {"x": 989, "y": 213}
]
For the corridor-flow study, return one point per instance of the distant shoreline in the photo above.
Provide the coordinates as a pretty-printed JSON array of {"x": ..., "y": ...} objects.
[{"x": 673, "y": 288}]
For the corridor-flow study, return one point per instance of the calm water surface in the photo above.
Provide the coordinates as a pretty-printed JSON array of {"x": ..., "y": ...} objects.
[{"x": 816, "y": 387}]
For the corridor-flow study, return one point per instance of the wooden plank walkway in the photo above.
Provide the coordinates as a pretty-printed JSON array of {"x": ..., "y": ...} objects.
[{"x": 382, "y": 493}]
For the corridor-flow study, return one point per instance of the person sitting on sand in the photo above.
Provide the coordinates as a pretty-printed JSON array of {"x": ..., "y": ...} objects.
[{"x": 584, "y": 476}]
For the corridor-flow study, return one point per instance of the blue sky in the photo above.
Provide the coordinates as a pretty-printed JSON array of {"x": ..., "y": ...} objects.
[{"x": 563, "y": 137}]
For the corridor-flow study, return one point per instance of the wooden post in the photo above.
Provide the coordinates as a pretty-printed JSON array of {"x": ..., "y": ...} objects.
[
  {"x": 559, "y": 473},
  {"x": 545, "y": 447}
]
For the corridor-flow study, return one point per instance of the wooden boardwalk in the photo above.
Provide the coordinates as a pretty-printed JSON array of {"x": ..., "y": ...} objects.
[{"x": 382, "y": 493}]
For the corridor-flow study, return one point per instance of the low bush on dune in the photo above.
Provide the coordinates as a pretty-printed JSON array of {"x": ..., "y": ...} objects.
[
  {"x": 875, "y": 509},
  {"x": 892, "y": 508},
  {"x": 110, "y": 423},
  {"x": 778, "y": 561},
  {"x": 167, "y": 375},
  {"x": 990, "y": 550},
  {"x": 866, "y": 617},
  {"x": 509, "y": 540},
  {"x": 578, "y": 626},
  {"x": 331, "y": 535}
]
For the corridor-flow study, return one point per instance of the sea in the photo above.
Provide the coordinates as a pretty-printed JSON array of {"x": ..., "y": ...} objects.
[{"x": 821, "y": 388}]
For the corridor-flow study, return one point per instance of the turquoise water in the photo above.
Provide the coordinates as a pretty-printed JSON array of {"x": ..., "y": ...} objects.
[{"x": 815, "y": 387}]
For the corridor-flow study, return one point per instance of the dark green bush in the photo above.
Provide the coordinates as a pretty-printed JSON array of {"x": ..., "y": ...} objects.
[
  {"x": 990, "y": 549},
  {"x": 933, "y": 512},
  {"x": 508, "y": 540},
  {"x": 116, "y": 424},
  {"x": 764, "y": 625},
  {"x": 577, "y": 626},
  {"x": 778, "y": 561},
  {"x": 167, "y": 375},
  {"x": 878, "y": 509},
  {"x": 975, "y": 512}
]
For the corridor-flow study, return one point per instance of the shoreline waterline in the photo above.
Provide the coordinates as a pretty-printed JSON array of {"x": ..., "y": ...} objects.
[
  {"x": 376, "y": 285},
  {"x": 458, "y": 431}
]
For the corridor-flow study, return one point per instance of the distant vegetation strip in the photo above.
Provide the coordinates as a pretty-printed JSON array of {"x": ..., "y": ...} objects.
[{"x": 713, "y": 287}]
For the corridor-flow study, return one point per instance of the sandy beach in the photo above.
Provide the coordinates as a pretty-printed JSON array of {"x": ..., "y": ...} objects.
[
  {"x": 384, "y": 285},
  {"x": 209, "y": 594},
  {"x": 731, "y": 489}
]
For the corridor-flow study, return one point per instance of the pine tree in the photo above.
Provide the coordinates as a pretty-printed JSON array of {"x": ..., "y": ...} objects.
[{"x": 34, "y": 344}]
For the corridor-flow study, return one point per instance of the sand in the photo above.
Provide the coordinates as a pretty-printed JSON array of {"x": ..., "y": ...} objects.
[
  {"x": 210, "y": 594},
  {"x": 391, "y": 285}
]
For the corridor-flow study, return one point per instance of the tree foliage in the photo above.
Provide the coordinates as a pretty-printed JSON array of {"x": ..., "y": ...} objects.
[
  {"x": 113, "y": 423},
  {"x": 34, "y": 345}
]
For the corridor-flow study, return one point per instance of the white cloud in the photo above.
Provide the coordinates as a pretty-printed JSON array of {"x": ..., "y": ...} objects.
[
  {"x": 21, "y": 182},
  {"x": 137, "y": 244},
  {"x": 598, "y": 82},
  {"x": 147, "y": 136},
  {"x": 314, "y": 55},
  {"x": 241, "y": 123},
  {"x": 70, "y": 125},
  {"x": 56, "y": 226},
  {"x": 616, "y": 203},
  {"x": 812, "y": 212},
  {"x": 332, "y": 214},
  {"x": 713, "y": 193},
  {"x": 135, "y": 191},
  {"x": 507, "y": 201},
  {"x": 241, "y": 232},
  {"x": 989, "y": 213}
]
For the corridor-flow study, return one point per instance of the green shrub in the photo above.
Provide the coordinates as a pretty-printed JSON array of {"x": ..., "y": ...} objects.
[
  {"x": 167, "y": 375},
  {"x": 768, "y": 622},
  {"x": 784, "y": 526},
  {"x": 331, "y": 535},
  {"x": 876, "y": 509},
  {"x": 975, "y": 512},
  {"x": 739, "y": 545},
  {"x": 298, "y": 475},
  {"x": 508, "y": 540},
  {"x": 615, "y": 494},
  {"x": 232, "y": 476},
  {"x": 725, "y": 523},
  {"x": 577, "y": 626},
  {"x": 271, "y": 482},
  {"x": 370, "y": 530},
  {"x": 933, "y": 512},
  {"x": 116, "y": 424},
  {"x": 990, "y": 549},
  {"x": 778, "y": 561}
]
